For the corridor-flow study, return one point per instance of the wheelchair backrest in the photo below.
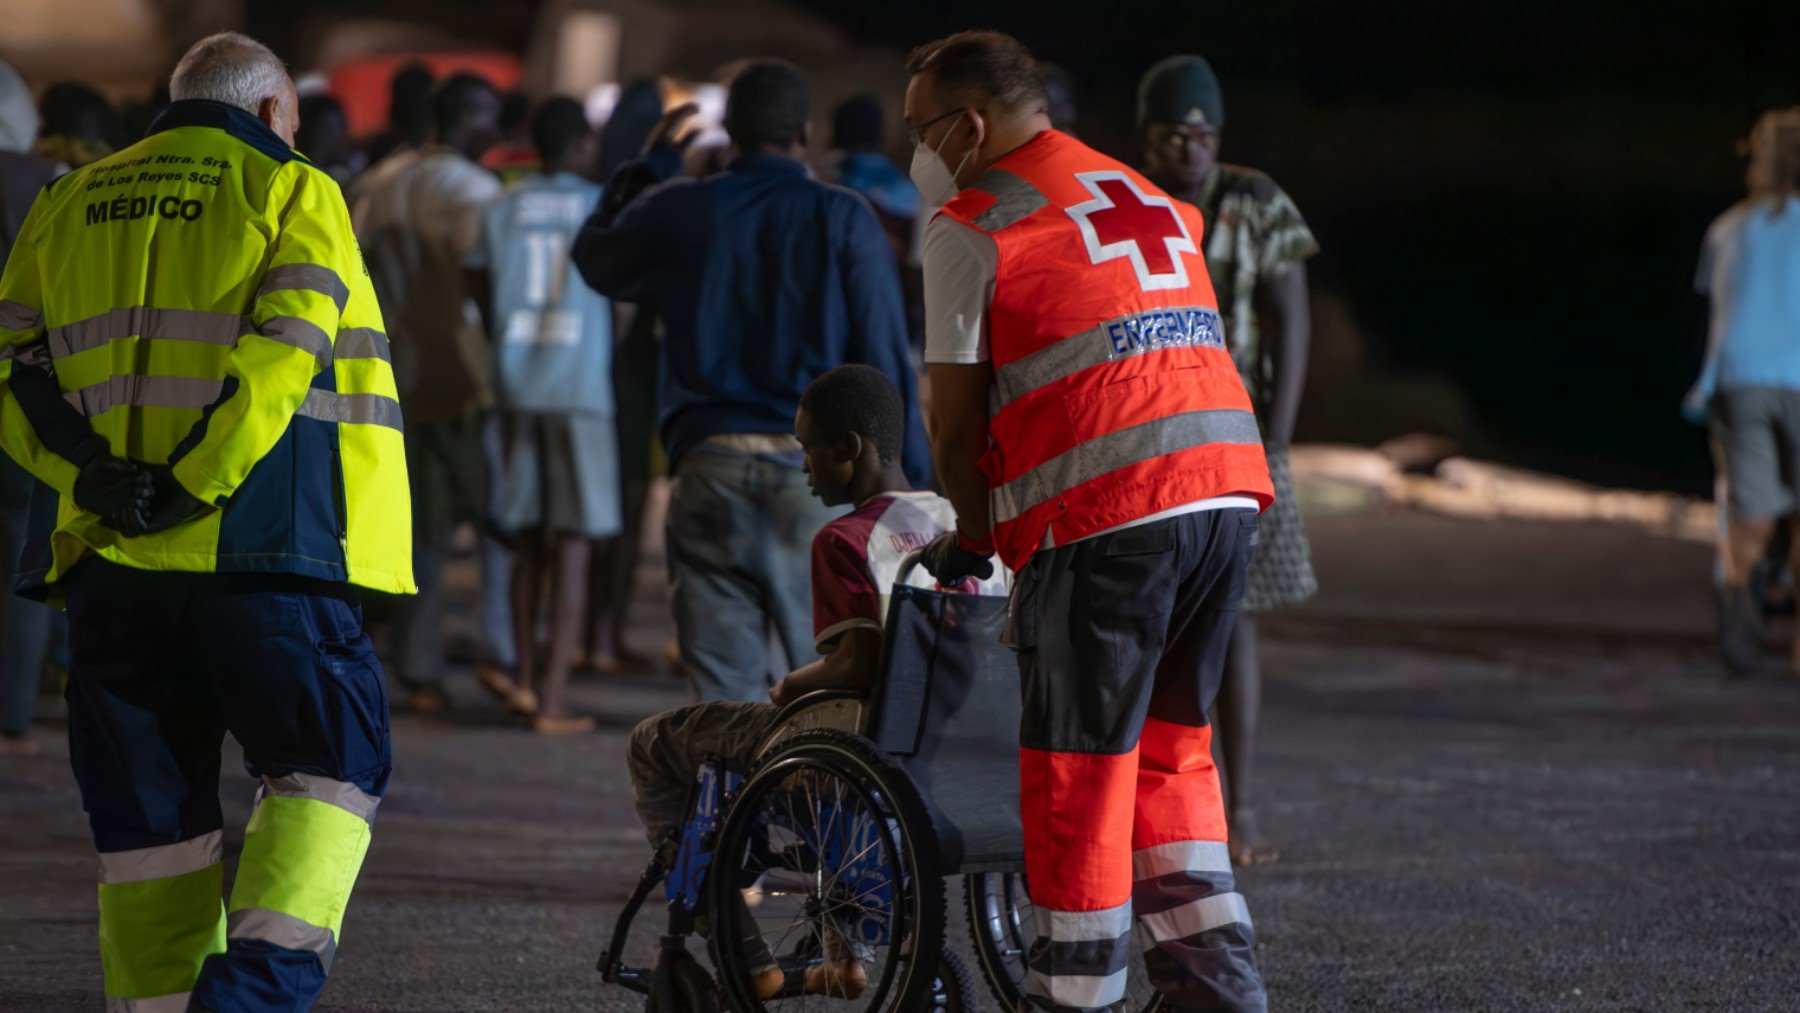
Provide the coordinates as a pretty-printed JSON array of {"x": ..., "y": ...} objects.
[{"x": 947, "y": 710}]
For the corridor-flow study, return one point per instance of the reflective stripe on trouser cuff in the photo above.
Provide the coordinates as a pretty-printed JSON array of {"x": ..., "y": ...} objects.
[
  {"x": 361, "y": 343},
  {"x": 301, "y": 333},
  {"x": 174, "y": 1002},
  {"x": 147, "y": 322},
  {"x": 1180, "y": 856},
  {"x": 1121, "y": 449},
  {"x": 343, "y": 794},
  {"x": 1125, "y": 337},
  {"x": 163, "y": 861},
  {"x": 301, "y": 857},
  {"x": 1083, "y": 926},
  {"x": 356, "y": 409},
  {"x": 155, "y": 933},
  {"x": 1014, "y": 199},
  {"x": 1082, "y": 991},
  {"x": 1193, "y": 918},
  {"x": 16, "y": 316},
  {"x": 144, "y": 392},
  {"x": 285, "y": 931},
  {"x": 308, "y": 277}
]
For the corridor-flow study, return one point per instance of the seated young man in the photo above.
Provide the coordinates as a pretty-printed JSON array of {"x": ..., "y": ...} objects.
[{"x": 849, "y": 424}]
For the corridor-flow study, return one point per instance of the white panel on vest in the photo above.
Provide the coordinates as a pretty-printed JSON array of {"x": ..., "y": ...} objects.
[{"x": 1124, "y": 221}]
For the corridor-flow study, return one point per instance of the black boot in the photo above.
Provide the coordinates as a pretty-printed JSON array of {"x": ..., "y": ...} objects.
[{"x": 1740, "y": 631}]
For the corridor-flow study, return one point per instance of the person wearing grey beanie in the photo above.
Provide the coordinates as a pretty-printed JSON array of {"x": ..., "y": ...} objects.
[{"x": 1256, "y": 247}]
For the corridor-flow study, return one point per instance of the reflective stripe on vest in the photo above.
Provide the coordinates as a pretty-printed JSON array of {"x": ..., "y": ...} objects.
[
  {"x": 136, "y": 391},
  {"x": 16, "y": 316},
  {"x": 158, "y": 324},
  {"x": 1119, "y": 338},
  {"x": 1121, "y": 448}
]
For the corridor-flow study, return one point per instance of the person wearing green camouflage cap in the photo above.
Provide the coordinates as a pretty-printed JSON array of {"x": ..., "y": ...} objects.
[{"x": 1256, "y": 247}]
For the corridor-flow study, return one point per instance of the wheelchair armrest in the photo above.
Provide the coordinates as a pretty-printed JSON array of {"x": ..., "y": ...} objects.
[{"x": 819, "y": 696}]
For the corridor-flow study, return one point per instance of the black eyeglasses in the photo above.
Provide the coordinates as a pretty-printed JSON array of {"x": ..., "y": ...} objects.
[{"x": 913, "y": 138}]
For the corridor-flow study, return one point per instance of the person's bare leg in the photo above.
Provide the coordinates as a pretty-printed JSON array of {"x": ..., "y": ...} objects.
[
  {"x": 1745, "y": 543},
  {"x": 1740, "y": 614},
  {"x": 527, "y": 574},
  {"x": 1239, "y": 708},
  {"x": 1794, "y": 562},
  {"x": 568, "y": 604}
]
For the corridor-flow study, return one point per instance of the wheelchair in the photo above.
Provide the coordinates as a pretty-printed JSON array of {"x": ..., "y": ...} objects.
[{"x": 836, "y": 846}]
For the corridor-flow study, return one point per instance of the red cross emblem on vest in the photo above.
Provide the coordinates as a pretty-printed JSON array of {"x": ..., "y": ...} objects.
[{"x": 1124, "y": 221}]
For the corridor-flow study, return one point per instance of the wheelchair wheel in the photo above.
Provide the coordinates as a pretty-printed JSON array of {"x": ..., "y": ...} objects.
[
  {"x": 1002, "y": 926},
  {"x": 827, "y": 862}
]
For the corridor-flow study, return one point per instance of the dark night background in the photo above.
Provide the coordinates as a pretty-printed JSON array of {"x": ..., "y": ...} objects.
[{"x": 1510, "y": 196}]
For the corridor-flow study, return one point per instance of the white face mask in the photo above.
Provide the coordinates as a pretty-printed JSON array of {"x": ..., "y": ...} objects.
[{"x": 935, "y": 180}]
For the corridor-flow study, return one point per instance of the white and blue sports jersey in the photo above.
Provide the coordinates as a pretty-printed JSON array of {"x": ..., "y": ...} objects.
[{"x": 552, "y": 334}]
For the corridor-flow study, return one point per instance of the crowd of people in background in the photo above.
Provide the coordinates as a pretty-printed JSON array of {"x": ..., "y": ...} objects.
[{"x": 554, "y": 352}]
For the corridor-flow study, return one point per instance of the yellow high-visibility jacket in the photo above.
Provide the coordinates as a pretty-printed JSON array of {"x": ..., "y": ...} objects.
[{"x": 202, "y": 301}]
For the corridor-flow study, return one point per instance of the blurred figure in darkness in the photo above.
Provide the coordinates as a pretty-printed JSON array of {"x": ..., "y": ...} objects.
[
  {"x": 324, "y": 138},
  {"x": 1749, "y": 387},
  {"x": 858, "y": 136},
  {"x": 614, "y": 567},
  {"x": 515, "y": 158},
  {"x": 24, "y": 625},
  {"x": 417, "y": 214},
  {"x": 1059, "y": 91},
  {"x": 1257, "y": 245},
  {"x": 139, "y": 115},
  {"x": 409, "y": 112},
  {"x": 79, "y": 126}
]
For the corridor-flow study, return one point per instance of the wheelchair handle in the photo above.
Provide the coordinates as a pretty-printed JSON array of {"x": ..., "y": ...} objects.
[{"x": 907, "y": 565}]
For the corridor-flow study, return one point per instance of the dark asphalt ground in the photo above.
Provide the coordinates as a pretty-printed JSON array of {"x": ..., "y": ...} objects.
[{"x": 1499, "y": 764}]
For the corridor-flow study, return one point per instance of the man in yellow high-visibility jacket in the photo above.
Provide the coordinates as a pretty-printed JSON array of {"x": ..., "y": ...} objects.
[{"x": 192, "y": 361}]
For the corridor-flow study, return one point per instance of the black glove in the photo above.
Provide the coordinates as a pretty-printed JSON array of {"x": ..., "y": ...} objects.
[
  {"x": 679, "y": 984},
  {"x": 169, "y": 504},
  {"x": 952, "y": 559},
  {"x": 108, "y": 485}
]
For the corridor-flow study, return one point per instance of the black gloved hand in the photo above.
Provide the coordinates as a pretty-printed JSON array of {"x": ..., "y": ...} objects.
[
  {"x": 107, "y": 485},
  {"x": 952, "y": 559},
  {"x": 679, "y": 984},
  {"x": 169, "y": 504}
]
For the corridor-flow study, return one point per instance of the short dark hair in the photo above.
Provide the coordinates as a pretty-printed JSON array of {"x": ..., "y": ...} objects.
[
  {"x": 861, "y": 400},
  {"x": 556, "y": 125},
  {"x": 856, "y": 125},
  {"x": 75, "y": 110},
  {"x": 769, "y": 103},
  {"x": 455, "y": 96},
  {"x": 973, "y": 67}
]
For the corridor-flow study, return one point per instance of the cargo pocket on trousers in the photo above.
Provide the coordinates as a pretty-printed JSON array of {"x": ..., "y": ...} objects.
[{"x": 353, "y": 695}]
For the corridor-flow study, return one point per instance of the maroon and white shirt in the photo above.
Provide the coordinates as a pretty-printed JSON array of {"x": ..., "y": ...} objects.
[{"x": 856, "y": 559}]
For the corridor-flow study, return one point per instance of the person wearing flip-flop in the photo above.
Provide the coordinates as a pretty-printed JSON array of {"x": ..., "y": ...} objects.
[{"x": 850, "y": 425}]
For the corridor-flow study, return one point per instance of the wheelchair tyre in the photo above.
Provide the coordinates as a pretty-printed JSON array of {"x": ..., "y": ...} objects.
[
  {"x": 826, "y": 847},
  {"x": 1002, "y": 927}
]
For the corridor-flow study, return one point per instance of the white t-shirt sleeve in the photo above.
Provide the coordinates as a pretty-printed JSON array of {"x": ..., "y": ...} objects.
[{"x": 959, "y": 264}]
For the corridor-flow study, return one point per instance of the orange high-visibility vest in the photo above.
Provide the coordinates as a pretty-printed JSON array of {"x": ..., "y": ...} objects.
[{"x": 1114, "y": 397}]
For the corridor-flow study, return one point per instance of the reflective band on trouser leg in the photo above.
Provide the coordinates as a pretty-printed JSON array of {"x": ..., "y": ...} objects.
[
  {"x": 1194, "y": 927},
  {"x": 161, "y": 915},
  {"x": 302, "y": 851},
  {"x": 1077, "y": 819}
]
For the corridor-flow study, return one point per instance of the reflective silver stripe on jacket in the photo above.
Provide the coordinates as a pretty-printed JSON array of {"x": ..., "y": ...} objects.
[
  {"x": 1123, "y": 448},
  {"x": 147, "y": 322},
  {"x": 16, "y": 316},
  {"x": 164, "y": 861},
  {"x": 1180, "y": 856},
  {"x": 1193, "y": 918},
  {"x": 362, "y": 343},
  {"x": 308, "y": 277},
  {"x": 1014, "y": 200},
  {"x": 283, "y": 930},
  {"x": 356, "y": 409},
  {"x": 1123, "y": 337},
  {"x": 343, "y": 794},
  {"x": 176, "y": 1002},
  {"x": 300, "y": 333},
  {"x": 144, "y": 392}
]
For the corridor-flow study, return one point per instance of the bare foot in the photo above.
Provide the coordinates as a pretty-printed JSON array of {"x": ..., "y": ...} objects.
[
  {"x": 1247, "y": 844},
  {"x": 768, "y": 983},
  {"x": 840, "y": 979},
  {"x": 515, "y": 698},
  {"x": 427, "y": 700},
  {"x": 557, "y": 725},
  {"x": 20, "y": 745}
]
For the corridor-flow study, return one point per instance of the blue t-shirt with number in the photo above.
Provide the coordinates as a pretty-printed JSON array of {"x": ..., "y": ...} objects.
[{"x": 552, "y": 334}]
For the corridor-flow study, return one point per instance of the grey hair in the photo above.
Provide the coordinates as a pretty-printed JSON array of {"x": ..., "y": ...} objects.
[{"x": 232, "y": 68}]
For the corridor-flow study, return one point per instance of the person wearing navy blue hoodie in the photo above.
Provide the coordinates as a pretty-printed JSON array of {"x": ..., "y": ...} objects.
[{"x": 765, "y": 278}]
